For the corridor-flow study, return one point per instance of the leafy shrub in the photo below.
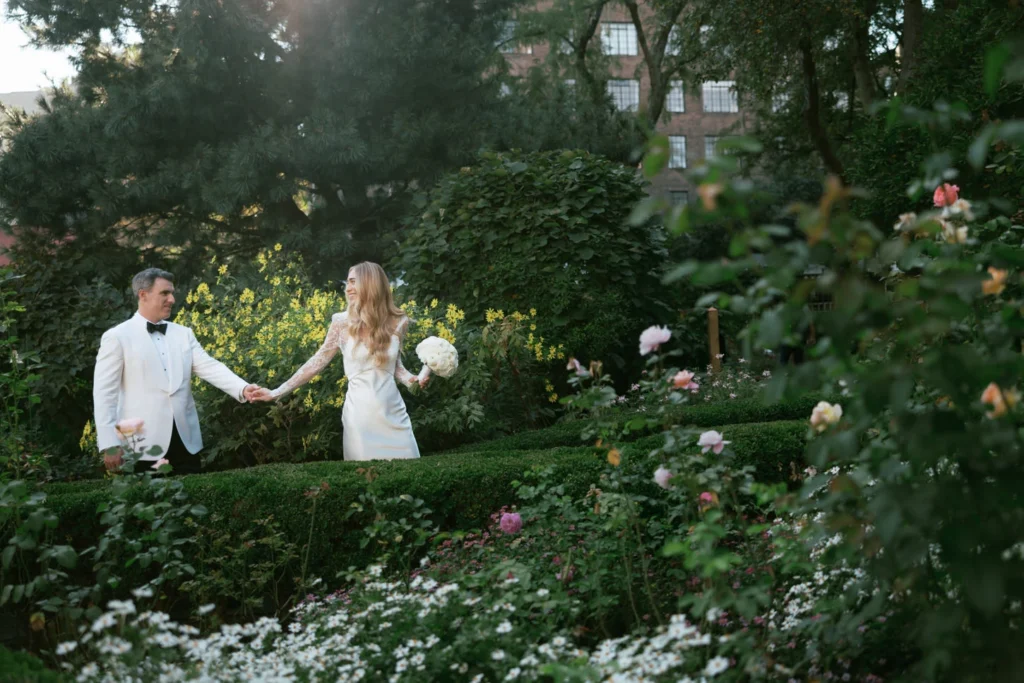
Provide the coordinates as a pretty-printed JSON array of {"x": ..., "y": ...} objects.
[
  {"x": 545, "y": 229},
  {"x": 65, "y": 315}
]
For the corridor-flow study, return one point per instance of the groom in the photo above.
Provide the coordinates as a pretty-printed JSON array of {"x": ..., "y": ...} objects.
[{"x": 144, "y": 370}]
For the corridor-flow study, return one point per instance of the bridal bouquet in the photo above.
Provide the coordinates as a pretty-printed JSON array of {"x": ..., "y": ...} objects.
[{"x": 437, "y": 355}]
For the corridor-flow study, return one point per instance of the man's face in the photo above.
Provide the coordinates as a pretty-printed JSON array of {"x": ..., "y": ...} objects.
[{"x": 156, "y": 304}]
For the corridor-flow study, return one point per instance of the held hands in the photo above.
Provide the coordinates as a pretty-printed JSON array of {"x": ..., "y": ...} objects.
[{"x": 258, "y": 393}]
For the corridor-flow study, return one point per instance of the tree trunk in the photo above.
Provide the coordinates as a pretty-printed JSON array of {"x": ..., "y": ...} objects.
[
  {"x": 580, "y": 52},
  {"x": 654, "y": 56},
  {"x": 862, "y": 71},
  {"x": 913, "y": 30},
  {"x": 812, "y": 113}
]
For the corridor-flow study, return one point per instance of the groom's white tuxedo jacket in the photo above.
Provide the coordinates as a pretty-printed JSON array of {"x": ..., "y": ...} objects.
[{"x": 131, "y": 381}]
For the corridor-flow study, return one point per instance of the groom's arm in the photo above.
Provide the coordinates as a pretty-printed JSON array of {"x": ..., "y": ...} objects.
[
  {"x": 216, "y": 373},
  {"x": 106, "y": 385}
]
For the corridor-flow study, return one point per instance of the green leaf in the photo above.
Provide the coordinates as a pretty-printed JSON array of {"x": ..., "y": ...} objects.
[
  {"x": 995, "y": 59},
  {"x": 673, "y": 549}
]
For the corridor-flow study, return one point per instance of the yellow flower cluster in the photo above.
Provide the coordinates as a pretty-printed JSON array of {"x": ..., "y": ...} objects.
[
  {"x": 88, "y": 441},
  {"x": 266, "y": 332}
]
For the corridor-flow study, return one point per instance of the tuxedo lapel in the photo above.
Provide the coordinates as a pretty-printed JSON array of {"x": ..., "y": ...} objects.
[
  {"x": 175, "y": 340},
  {"x": 154, "y": 370}
]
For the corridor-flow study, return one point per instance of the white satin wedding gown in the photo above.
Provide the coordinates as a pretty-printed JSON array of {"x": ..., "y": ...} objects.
[{"x": 375, "y": 422}]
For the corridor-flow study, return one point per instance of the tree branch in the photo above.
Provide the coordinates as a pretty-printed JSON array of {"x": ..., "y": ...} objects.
[{"x": 812, "y": 112}]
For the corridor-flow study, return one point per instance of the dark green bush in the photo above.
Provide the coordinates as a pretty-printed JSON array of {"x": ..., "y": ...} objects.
[
  {"x": 21, "y": 667},
  {"x": 547, "y": 230}
]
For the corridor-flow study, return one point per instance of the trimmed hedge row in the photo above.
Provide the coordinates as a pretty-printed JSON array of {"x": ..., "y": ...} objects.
[
  {"x": 710, "y": 415},
  {"x": 461, "y": 489}
]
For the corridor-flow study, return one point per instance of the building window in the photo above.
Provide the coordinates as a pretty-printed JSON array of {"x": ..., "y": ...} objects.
[
  {"x": 674, "y": 101},
  {"x": 625, "y": 94},
  {"x": 677, "y": 148},
  {"x": 679, "y": 197},
  {"x": 568, "y": 43},
  {"x": 720, "y": 97},
  {"x": 507, "y": 40},
  {"x": 618, "y": 38},
  {"x": 674, "y": 46},
  {"x": 710, "y": 145}
]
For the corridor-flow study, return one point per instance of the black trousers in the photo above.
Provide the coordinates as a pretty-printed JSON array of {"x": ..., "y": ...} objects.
[{"x": 181, "y": 459}]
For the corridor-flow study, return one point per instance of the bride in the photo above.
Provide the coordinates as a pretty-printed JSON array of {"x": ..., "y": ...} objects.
[{"x": 369, "y": 335}]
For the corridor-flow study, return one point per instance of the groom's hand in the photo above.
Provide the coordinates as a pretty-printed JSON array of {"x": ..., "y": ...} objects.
[
  {"x": 113, "y": 459},
  {"x": 250, "y": 392}
]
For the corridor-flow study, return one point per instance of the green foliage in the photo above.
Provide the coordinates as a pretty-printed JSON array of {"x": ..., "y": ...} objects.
[
  {"x": 244, "y": 571},
  {"x": 67, "y": 309},
  {"x": 919, "y": 482},
  {"x": 21, "y": 667},
  {"x": 549, "y": 230},
  {"x": 222, "y": 127},
  {"x": 460, "y": 489},
  {"x": 951, "y": 73},
  {"x": 19, "y": 379}
]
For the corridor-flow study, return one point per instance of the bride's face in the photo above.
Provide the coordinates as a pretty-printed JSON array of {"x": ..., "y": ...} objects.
[{"x": 352, "y": 288}]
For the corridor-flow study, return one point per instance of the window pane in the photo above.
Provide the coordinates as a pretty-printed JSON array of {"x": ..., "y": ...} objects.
[
  {"x": 618, "y": 38},
  {"x": 710, "y": 143},
  {"x": 720, "y": 96},
  {"x": 677, "y": 147},
  {"x": 567, "y": 44},
  {"x": 675, "y": 41},
  {"x": 507, "y": 43},
  {"x": 679, "y": 197},
  {"x": 625, "y": 94},
  {"x": 675, "y": 102}
]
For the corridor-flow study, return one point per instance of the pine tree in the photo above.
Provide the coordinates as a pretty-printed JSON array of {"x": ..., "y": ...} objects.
[{"x": 234, "y": 123}]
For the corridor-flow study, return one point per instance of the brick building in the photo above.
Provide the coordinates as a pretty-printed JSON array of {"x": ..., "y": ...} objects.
[{"x": 694, "y": 119}]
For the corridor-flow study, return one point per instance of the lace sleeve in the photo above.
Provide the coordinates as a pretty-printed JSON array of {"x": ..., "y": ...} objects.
[
  {"x": 312, "y": 367},
  {"x": 401, "y": 374}
]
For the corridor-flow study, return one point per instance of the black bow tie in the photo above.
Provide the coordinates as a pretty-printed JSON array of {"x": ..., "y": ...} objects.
[{"x": 156, "y": 327}]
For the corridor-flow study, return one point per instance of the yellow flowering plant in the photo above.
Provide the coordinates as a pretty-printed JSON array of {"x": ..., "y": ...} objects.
[{"x": 264, "y": 324}]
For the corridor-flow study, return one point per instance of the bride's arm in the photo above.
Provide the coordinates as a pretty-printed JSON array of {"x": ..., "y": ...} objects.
[
  {"x": 401, "y": 374},
  {"x": 312, "y": 367}
]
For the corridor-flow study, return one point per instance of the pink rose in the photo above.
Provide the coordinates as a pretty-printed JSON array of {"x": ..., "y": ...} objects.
[
  {"x": 129, "y": 426},
  {"x": 711, "y": 441},
  {"x": 662, "y": 477},
  {"x": 652, "y": 338},
  {"x": 946, "y": 195},
  {"x": 707, "y": 497},
  {"x": 684, "y": 380},
  {"x": 511, "y": 523}
]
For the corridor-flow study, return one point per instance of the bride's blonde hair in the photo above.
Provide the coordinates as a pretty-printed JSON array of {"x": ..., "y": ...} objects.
[{"x": 374, "y": 317}]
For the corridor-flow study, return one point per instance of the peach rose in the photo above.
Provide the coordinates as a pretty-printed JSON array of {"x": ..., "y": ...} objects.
[
  {"x": 996, "y": 282},
  {"x": 946, "y": 195}
]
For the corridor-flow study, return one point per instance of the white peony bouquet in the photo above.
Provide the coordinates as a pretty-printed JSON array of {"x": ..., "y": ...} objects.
[{"x": 437, "y": 355}]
